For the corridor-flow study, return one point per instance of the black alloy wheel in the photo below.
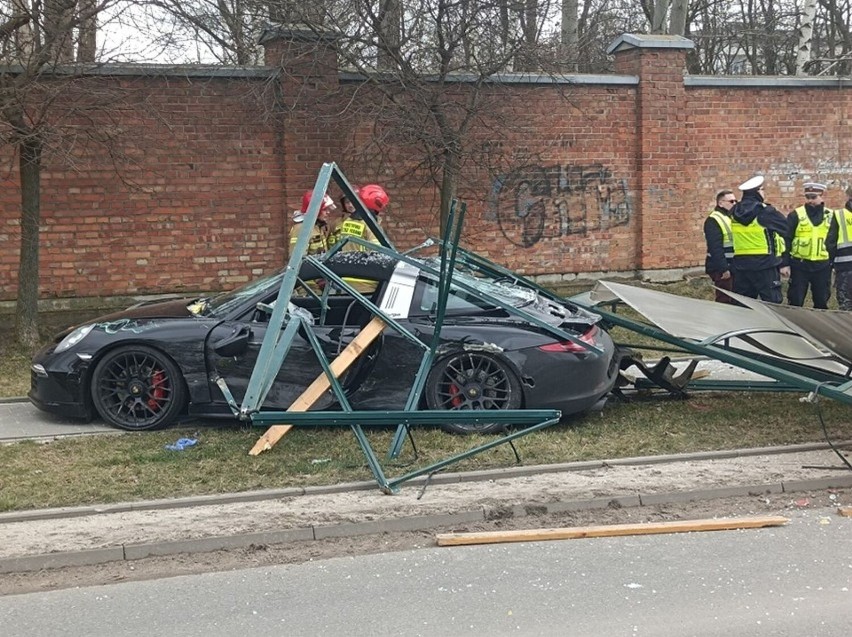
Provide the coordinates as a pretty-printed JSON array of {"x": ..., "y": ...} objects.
[
  {"x": 473, "y": 380},
  {"x": 137, "y": 388}
]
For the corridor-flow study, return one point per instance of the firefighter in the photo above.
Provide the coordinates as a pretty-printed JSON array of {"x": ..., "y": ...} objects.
[
  {"x": 759, "y": 233},
  {"x": 810, "y": 266},
  {"x": 319, "y": 234},
  {"x": 376, "y": 199},
  {"x": 720, "y": 245},
  {"x": 839, "y": 246},
  {"x": 347, "y": 208}
]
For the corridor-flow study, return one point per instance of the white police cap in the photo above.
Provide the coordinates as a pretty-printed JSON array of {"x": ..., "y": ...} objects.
[
  {"x": 752, "y": 184},
  {"x": 813, "y": 186}
]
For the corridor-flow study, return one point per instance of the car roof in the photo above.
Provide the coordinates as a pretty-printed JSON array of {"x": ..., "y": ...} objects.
[{"x": 362, "y": 265}]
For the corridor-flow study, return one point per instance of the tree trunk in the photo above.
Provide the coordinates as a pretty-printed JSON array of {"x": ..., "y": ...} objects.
[
  {"x": 26, "y": 309},
  {"x": 806, "y": 32},
  {"x": 658, "y": 24},
  {"x": 390, "y": 19},
  {"x": 449, "y": 179},
  {"x": 87, "y": 46},
  {"x": 58, "y": 29},
  {"x": 677, "y": 19},
  {"x": 570, "y": 36}
]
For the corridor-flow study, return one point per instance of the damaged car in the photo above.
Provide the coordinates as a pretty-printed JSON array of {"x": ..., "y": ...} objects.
[{"x": 156, "y": 363}]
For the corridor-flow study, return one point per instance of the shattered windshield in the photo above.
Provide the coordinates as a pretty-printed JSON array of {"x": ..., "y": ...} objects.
[
  {"x": 460, "y": 300},
  {"x": 224, "y": 303}
]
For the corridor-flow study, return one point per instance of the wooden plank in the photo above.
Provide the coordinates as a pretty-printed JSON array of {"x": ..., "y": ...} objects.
[
  {"x": 317, "y": 388},
  {"x": 846, "y": 512},
  {"x": 612, "y": 530}
]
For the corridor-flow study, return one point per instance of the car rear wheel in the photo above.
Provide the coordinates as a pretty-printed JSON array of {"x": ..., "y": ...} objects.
[
  {"x": 472, "y": 380},
  {"x": 137, "y": 388}
]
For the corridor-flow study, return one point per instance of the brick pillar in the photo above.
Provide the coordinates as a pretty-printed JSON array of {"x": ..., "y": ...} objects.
[
  {"x": 303, "y": 108},
  {"x": 665, "y": 196}
]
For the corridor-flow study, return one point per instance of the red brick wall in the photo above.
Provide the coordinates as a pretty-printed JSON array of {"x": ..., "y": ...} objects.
[{"x": 611, "y": 175}]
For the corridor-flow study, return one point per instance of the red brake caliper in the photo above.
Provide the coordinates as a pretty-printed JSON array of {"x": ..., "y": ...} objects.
[
  {"x": 158, "y": 378},
  {"x": 456, "y": 400}
]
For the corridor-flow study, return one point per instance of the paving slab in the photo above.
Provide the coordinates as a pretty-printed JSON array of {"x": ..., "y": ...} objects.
[{"x": 21, "y": 420}]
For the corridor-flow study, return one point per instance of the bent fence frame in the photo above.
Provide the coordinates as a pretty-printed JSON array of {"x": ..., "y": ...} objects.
[
  {"x": 284, "y": 326},
  {"x": 785, "y": 375}
]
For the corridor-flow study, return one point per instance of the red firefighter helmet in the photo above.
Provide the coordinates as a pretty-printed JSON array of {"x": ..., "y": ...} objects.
[
  {"x": 327, "y": 202},
  {"x": 374, "y": 197}
]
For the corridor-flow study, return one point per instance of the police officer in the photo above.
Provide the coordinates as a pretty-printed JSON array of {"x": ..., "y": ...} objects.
[
  {"x": 720, "y": 245},
  {"x": 319, "y": 233},
  {"x": 759, "y": 233},
  {"x": 839, "y": 246},
  {"x": 810, "y": 267}
]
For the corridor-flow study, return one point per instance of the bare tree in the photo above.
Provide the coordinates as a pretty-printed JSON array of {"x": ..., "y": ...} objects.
[
  {"x": 658, "y": 17},
  {"x": 678, "y": 17},
  {"x": 806, "y": 32},
  {"x": 570, "y": 35},
  {"x": 35, "y": 95},
  {"x": 429, "y": 87}
]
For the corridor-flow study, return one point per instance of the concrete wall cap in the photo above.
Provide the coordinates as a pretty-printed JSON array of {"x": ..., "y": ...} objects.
[
  {"x": 297, "y": 32},
  {"x": 629, "y": 41}
]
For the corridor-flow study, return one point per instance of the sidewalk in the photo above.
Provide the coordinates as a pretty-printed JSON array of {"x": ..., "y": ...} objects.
[{"x": 33, "y": 540}]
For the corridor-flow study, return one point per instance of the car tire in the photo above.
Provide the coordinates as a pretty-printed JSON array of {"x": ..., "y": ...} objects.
[
  {"x": 137, "y": 388},
  {"x": 473, "y": 380}
]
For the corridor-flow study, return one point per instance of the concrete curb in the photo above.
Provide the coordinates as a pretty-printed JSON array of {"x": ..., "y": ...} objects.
[
  {"x": 438, "y": 478},
  {"x": 128, "y": 552}
]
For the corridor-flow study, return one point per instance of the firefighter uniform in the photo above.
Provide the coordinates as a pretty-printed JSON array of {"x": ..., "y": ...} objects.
[
  {"x": 318, "y": 242},
  {"x": 354, "y": 227},
  {"x": 810, "y": 266},
  {"x": 839, "y": 246}
]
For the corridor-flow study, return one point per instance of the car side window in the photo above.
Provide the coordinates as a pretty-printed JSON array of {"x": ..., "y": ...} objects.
[{"x": 458, "y": 300}]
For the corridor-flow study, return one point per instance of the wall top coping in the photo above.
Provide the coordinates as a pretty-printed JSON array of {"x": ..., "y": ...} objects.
[
  {"x": 766, "y": 81},
  {"x": 152, "y": 70},
  {"x": 628, "y": 41},
  {"x": 522, "y": 78},
  {"x": 297, "y": 32}
]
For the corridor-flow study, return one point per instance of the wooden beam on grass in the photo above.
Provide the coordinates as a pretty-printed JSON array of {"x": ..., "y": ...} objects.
[
  {"x": 317, "y": 388},
  {"x": 612, "y": 530}
]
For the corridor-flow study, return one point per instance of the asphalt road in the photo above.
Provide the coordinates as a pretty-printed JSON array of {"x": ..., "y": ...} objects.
[{"x": 793, "y": 580}]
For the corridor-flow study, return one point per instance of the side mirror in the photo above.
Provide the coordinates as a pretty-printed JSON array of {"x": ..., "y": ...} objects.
[{"x": 235, "y": 343}]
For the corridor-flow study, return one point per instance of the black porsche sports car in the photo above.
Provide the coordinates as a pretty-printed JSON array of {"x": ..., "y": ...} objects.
[{"x": 149, "y": 365}]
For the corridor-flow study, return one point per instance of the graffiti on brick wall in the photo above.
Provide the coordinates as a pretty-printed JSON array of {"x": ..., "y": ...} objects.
[{"x": 536, "y": 203}]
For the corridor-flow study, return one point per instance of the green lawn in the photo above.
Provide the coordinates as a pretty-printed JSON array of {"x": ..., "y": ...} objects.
[{"x": 102, "y": 469}]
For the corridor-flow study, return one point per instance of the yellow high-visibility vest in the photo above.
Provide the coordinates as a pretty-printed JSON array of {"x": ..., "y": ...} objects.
[
  {"x": 809, "y": 240},
  {"x": 724, "y": 222},
  {"x": 751, "y": 239},
  {"x": 844, "y": 236}
]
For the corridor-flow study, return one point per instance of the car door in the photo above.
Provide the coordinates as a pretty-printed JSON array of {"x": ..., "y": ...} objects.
[{"x": 298, "y": 370}]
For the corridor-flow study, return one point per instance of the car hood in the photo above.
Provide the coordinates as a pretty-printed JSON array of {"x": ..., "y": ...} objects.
[{"x": 173, "y": 308}]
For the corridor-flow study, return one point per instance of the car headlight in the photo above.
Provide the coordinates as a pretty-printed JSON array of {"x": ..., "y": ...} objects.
[{"x": 73, "y": 338}]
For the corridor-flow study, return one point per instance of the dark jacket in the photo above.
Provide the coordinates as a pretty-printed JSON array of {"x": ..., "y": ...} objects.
[
  {"x": 752, "y": 207},
  {"x": 817, "y": 215},
  {"x": 831, "y": 243},
  {"x": 715, "y": 238}
]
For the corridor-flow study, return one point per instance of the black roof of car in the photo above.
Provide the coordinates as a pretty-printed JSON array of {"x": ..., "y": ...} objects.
[{"x": 362, "y": 265}]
